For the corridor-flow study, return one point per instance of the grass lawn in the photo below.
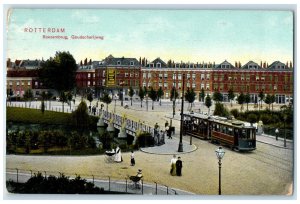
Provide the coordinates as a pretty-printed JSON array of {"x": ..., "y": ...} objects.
[{"x": 27, "y": 115}]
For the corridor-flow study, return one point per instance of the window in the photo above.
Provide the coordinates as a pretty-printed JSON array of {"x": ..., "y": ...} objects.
[
  {"x": 242, "y": 77},
  {"x": 257, "y": 77},
  {"x": 158, "y": 65},
  {"x": 194, "y": 76},
  {"x": 188, "y": 84},
  {"x": 144, "y": 84},
  {"x": 215, "y": 77},
  {"x": 248, "y": 77},
  {"x": 160, "y": 75},
  {"x": 144, "y": 75},
  {"x": 202, "y": 76},
  {"x": 136, "y": 74},
  {"x": 126, "y": 74},
  {"x": 160, "y": 84},
  {"x": 179, "y": 85},
  {"x": 166, "y": 84},
  {"x": 179, "y": 76},
  {"x": 207, "y": 86},
  {"x": 174, "y": 76},
  {"x": 149, "y": 75},
  {"x": 131, "y": 74},
  {"x": 103, "y": 74},
  {"x": 229, "y": 78},
  {"x": 118, "y": 62},
  {"x": 89, "y": 75},
  {"x": 36, "y": 83},
  {"x": 188, "y": 76},
  {"x": 262, "y": 78},
  {"x": 131, "y": 63},
  {"x": 207, "y": 76},
  {"x": 194, "y": 85},
  {"x": 22, "y": 83},
  {"x": 18, "y": 83},
  {"x": 88, "y": 83},
  {"x": 202, "y": 86},
  {"x": 103, "y": 81},
  {"x": 177, "y": 65},
  {"x": 275, "y": 87},
  {"x": 94, "y": 83},
  {"x": 10, "y": 83},
  {"x": 28, "y": 83},
  {"x": 165, "y": 75},
  {"x": 94, "y": 75}
]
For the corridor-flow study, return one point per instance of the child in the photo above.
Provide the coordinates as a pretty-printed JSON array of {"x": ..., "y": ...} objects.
[{"x": 132, "y": 161}]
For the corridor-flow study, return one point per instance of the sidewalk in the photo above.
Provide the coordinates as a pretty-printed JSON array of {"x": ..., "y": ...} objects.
[
  {"x": 271, "y": 140},
  {"x": 170, "y": 147}
]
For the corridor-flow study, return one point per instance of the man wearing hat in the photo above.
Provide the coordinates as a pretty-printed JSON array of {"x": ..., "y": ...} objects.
[
  {"x": 178, "y": 166},
  {"x": 139, "y": 175}
]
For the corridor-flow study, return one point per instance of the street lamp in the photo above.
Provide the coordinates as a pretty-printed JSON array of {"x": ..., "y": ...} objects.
[
  {"x": 121, "y": 84},
  {"x": 220, "y": 154},
  {"x": 180, "y": 146},
  {"x": 174, "y": 98},
  {"x": 115, "y": 97}
]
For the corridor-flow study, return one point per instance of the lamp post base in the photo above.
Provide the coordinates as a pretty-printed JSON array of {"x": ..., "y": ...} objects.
[{"x": 180, "y": 147}]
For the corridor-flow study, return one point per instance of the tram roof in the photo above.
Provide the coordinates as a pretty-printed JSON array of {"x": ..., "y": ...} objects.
[{"x": 222, "y": 120}]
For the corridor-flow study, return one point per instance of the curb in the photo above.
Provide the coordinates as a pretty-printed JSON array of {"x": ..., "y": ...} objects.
[{"x": 194, "y": 149}]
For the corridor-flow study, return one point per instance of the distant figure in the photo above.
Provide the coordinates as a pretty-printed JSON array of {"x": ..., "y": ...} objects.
[
  {"x": 89, "y": 108},
  {"x": 173, "y": 166},
  {"x": 166, "y": 124},
  {"x": 276, "y": 133},
  {"x": 139, "y": 175},
  {"x": 178, "y": 166},
  {"x": 118, "y": 155},
  {"x": 132, "y": 160}
]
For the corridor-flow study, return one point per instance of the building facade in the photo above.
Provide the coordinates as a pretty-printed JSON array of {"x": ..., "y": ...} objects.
[{"x": 117, "y": 75}]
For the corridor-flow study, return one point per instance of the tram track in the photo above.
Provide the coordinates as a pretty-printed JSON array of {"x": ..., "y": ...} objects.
[{"x": 272, "y": 160}]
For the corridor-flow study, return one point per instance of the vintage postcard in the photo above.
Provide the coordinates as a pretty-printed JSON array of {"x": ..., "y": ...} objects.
[{"x": 190, "y": 102}]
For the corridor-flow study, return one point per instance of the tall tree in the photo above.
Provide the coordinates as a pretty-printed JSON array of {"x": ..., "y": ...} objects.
[
  {"x": 208, "y": 102},
  {"x": 69, "y": 98},
  {"x": 261, "y": 96},
  {"x": 153, "y": 96},
  {"x": 273, "y": 99},
  {"x": 268, "y": 100},
  {"x": 106, "y": 99},
  {"x": 81, "y": 117},
  {"x": 59, "y": 72},
  {"x": 174, "y": 94},
  {"x": 247, "y": 99},
  {"x": 202, "y": 95},
  {"x": 90, "y": 98},
  {"x": 141, "y": 95},
  {"x": 160, "y": 93},
  {"x": 63, "y": 98},
  {"x": 241, "y": 100},
  {"x": 9, "y": 93},
  {"x": 190, "y": 96},
  {"x": 231, "y": 95},
  {"x": 28, "y": 95},
  {"x": 131, "y": 93},
  {"x": 217, "y": 97}
]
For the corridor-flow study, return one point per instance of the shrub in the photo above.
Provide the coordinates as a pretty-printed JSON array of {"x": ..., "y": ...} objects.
[
  {"x": 145, "y": 139},
  {"x": 221, "y": 110},
  {"x": 235, "y": 112}
]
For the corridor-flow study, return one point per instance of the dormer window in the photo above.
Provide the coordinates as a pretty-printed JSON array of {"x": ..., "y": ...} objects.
[
  {"x": 158, "y": 65},
  {"x": 152, "y": 65},
  {"x": 177, "y": 65},
  {"x": 118, "y": 62},
  {"x": 131, "y": 63}
]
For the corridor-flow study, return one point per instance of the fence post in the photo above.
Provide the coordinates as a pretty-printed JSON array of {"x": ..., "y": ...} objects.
[
  {"x": 142, "y": 187},
  {"x": 17, "y": 176},
  {"x": 155, "y": 188},
  {"x": 93, "y": 179},
  {"x": 167, "y": 190},
  {"x": 30, "y": 173},
  {"x": 108, "y": 183},
  {"x": 45, "y": 174},
  {"x": 126, "y": 184}
]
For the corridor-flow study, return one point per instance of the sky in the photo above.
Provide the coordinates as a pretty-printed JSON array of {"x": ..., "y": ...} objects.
[{"x": 180, "y": 35}]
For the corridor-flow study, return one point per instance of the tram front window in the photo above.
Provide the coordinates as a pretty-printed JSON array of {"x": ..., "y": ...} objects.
[{"x": 243, "y": 134}]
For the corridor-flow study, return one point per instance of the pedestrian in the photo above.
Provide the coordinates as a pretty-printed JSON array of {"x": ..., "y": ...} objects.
[
  {"x": 132, "y": 160},
  {"x": 276, "y": 133},
  {"x": 89, "y": 108},
  {"x": 118, "y": 155},
  {"x": 178, "y": 166},
  {"x": 173, "y": 166},
  {"x": 166, "y": 124}
]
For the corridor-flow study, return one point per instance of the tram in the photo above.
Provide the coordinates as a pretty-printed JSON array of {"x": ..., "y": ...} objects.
[{"x": 236, "y": 134}]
